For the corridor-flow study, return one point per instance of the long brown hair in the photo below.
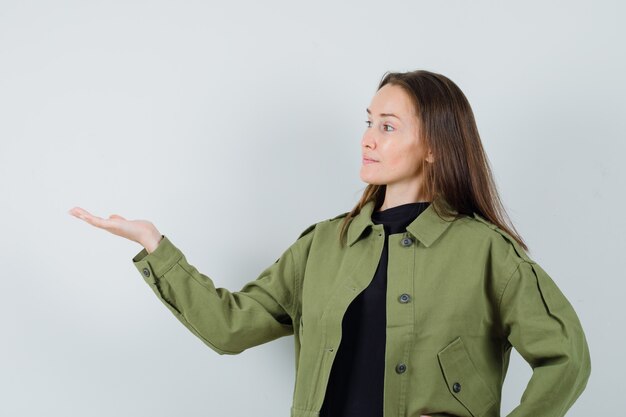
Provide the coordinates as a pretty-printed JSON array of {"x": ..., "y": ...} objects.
[{"x": 460, "y": 173}]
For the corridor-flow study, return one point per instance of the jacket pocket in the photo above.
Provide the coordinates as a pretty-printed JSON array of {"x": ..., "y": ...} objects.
[{"x": 463, "y": 379}]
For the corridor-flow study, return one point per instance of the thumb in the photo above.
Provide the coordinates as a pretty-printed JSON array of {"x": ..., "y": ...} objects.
[{"x": 116, "y": 216}]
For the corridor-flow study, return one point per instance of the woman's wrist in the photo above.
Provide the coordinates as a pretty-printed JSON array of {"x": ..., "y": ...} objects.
[{"x": 152, "y": 242}]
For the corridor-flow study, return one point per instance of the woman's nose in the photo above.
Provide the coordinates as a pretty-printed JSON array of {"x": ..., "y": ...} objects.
[{"x": 368, "y": 140}]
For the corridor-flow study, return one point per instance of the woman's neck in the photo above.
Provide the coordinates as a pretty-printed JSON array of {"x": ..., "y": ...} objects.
[{"x": 398, "y": 194}]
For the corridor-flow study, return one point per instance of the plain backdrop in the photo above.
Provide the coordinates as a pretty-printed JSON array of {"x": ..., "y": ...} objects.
[{"x": 233, "y": 127}]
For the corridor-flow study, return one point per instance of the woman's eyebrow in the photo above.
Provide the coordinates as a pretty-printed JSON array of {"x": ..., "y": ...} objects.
[{"x": 384, "y": 114}]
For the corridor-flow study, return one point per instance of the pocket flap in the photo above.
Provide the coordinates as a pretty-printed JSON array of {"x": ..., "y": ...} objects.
[{"x": 463, "y": 380}]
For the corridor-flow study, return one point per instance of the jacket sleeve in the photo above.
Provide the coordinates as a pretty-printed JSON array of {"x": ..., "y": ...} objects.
[
  {"x": 543, "y": 327},
  {"x": 228, "y": 322}
]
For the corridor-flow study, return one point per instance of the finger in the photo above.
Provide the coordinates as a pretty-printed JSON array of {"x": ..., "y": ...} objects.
[
  {"x": 85, "y": 215},
  {"x": 79, "y": 212},
  {"x": 74, "y": 211},
  {"x": 89, "y": 218}
]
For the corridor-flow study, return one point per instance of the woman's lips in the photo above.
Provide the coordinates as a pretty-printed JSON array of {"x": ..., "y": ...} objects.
[{"x": 368, "y": 161}]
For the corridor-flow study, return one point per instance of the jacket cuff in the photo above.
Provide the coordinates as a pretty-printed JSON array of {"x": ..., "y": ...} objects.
[{"x": 155, "y": 264}]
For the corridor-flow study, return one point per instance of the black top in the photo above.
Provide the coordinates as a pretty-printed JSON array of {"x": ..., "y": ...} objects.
[{"x": 355, "y": 385}]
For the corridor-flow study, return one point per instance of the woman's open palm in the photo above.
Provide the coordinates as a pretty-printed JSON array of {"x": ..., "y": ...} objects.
[{"x": 140, "y": 231}]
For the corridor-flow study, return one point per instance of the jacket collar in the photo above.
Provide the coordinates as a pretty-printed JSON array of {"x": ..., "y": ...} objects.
[{"x": 427, "y": 227}]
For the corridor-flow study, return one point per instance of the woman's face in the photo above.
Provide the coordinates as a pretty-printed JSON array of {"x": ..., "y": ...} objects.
[{"x": 392, "y": 140}]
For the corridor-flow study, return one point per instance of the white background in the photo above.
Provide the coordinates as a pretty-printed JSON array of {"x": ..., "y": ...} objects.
[{"x": 233, "y": 127}]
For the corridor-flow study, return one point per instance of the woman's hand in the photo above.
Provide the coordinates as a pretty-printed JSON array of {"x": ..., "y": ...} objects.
[{"x": 140, "y": 231}]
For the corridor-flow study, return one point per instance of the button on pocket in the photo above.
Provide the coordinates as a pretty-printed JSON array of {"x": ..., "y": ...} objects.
[{"x": 463, "y": 379}]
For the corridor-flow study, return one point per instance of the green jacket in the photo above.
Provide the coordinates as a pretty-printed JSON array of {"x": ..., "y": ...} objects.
[{"x": 460, "y": 294}]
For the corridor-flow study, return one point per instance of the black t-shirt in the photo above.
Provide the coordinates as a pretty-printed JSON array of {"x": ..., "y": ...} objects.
[{"x": 355, "y": 385}]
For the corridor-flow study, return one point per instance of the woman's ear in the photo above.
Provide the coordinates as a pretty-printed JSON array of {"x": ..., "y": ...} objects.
[{"x": 430, "y": 158}]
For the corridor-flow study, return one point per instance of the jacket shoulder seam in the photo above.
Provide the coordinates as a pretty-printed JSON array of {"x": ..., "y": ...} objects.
[
  {"x": 520, "y": 252},
  {"x": 328, "y": 220}
]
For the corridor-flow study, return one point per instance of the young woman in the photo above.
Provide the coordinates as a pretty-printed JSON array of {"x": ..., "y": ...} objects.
[{"x": 409, "y": 304}]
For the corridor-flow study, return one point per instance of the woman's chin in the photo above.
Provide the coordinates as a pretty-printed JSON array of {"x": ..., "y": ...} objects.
[{"x": 370, "y": 180}]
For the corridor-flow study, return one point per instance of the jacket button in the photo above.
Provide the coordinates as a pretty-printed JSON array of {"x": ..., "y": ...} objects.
[
  {"x": 146, "y": 272},
  {"x": 400, "y": 368},
  {"x": 404, "y": 298},
  {"x": 406, "y": 241},
  {"x": 456, "y": 387}
]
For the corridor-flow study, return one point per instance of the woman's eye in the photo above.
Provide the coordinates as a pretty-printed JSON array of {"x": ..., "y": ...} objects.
[
  {"x": 385, "y": 127},
  {"x": 369, "y": 124}
]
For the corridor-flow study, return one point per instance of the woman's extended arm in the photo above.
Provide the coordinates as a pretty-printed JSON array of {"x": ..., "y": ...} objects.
[{"x": 228, "y": 322}]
